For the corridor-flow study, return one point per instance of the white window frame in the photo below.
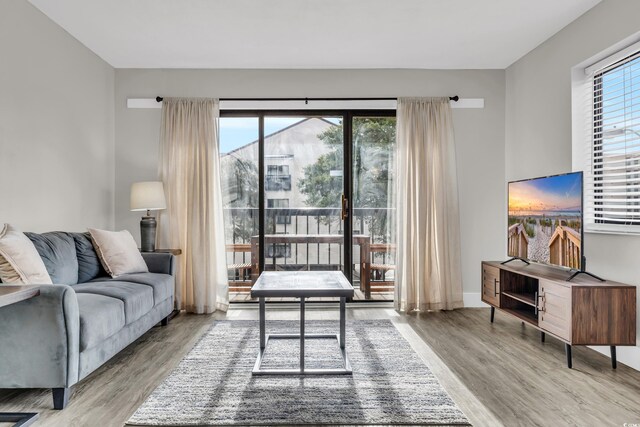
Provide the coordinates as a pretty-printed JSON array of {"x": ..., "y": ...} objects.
[{"x": 583, "y": 124}]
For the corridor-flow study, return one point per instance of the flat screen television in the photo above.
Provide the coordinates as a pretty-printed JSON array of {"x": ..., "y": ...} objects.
[{"x": 546, "y": 219}]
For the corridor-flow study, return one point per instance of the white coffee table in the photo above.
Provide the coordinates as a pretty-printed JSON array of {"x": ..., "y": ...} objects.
[{"x": 303, "y": 285}]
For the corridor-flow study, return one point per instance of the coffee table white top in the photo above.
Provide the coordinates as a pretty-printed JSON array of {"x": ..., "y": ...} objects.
[
  {"x": 299, "y": 284},
  {"x": 11, "y": 294}
]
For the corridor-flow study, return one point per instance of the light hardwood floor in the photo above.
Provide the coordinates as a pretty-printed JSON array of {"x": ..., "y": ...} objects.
[{"x": 509, "y": 373}]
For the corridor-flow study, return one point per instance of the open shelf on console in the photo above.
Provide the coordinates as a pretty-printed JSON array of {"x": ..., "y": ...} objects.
[
  {"x": 518, "y": 296},
  {"x": 527, "y": 298}
]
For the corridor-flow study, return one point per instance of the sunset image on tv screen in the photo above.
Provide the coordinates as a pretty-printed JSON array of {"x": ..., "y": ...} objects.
[{"x": 545, "y": 220}]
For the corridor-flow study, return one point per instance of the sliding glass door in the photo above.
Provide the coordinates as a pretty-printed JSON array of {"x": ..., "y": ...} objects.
[
  {"x": 313, "y": 191},
  {"x": 303, "y": 184},
  {"x": 239, "y": 163},
  {"x": 373, "y": 155}
]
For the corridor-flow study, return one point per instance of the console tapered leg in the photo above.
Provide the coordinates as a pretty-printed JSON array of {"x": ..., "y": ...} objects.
[
  {"x": 567, "y": 350},
  {"x": 614, "y": 361},
  {"x": 493, "y": 313},
  {"x": 542, "y": 335}
]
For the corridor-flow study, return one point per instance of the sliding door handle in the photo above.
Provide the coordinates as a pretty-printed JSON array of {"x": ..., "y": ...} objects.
[{"x": 345, "y": 208}]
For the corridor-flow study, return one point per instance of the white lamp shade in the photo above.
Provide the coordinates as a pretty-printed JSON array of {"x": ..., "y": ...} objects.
[{"x": 147, "y": 195}]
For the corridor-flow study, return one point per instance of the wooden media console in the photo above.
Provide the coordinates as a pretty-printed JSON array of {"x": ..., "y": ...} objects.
[{"x": 584, "y": 311}]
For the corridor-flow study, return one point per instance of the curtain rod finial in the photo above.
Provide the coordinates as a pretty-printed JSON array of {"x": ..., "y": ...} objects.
[
  {"x": 454, "y": 98},
  {"x": 159, "y": 99}
]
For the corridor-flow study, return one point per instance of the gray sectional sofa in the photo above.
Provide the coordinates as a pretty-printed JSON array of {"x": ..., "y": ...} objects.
[{"x": 74, "y": 326}]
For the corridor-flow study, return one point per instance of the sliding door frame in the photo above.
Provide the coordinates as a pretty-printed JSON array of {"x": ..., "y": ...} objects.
[{"x": 347, "y": 173}]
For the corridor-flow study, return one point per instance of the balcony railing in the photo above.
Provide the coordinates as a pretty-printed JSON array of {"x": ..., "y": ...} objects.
[
  {"x": 242, "y": 223},
  {"x": 370, "y": 225}
]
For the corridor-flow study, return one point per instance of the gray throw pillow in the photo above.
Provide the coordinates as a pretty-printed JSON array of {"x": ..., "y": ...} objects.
[
  {"x": 89, "y": 266},
  {"x": 58, "y": 251}
]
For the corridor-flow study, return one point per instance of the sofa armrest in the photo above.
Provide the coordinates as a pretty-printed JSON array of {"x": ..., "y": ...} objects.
[
  {"x": 160, "y": 262},
  {"x": 39, "y": 340}
]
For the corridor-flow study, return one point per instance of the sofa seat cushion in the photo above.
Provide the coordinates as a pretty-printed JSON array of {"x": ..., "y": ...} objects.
[
  {"x": 100, "y": 317},
  {"x": 162, "y": 284},
  {"x": 137, "y": 298},
  {"x": 58, "y": 251}
]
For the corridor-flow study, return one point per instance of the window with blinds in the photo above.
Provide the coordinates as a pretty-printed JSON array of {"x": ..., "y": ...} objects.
[{"x": 612, "y": 191}]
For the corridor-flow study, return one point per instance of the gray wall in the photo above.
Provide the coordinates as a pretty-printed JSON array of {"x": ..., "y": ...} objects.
[
  {"x": 479, "y": 133},
  {"x": 56, "y": 126},
  {"x": 538, "y": 124}
]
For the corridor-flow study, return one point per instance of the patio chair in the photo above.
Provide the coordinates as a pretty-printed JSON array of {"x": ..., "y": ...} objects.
[
  {"x": 241, "y": 281},
  {"x": 378, "y": 281}
]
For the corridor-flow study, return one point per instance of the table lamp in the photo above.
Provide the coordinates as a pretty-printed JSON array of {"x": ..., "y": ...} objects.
[{"x": 148, "y": 196}]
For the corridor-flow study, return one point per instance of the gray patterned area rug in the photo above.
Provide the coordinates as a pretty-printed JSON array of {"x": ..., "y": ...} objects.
[{"x": 213, "y": 384}]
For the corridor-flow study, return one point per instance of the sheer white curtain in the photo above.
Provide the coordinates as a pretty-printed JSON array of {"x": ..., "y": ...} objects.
[
  {"x": 428, "y": 224},
  {"x": 193, "y": 221}
]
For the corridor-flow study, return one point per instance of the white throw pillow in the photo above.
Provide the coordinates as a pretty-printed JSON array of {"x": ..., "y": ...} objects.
[
  {"x": 118, "y": 252},
  {"x": 20, "y": 262}
]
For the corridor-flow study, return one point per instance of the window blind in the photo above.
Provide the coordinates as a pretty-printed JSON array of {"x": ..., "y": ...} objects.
[{"x": 612, "y": 177}]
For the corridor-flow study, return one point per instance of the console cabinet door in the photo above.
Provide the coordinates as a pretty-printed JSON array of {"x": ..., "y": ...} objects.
[
  {"x": 554, "y": 313},
  {"x": 491, "y": 285}
]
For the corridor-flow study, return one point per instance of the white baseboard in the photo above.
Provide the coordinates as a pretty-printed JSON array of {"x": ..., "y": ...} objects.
[{"x": 473, "y": 299}]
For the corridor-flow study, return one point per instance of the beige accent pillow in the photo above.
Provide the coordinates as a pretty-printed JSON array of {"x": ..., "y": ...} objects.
[
  {"x": 20, "y": 262},
  {"x": 118, "y": 252}
]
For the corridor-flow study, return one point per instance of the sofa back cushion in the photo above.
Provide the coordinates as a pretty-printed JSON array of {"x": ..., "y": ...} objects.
[
  {"x": 89, "y": 266},
  {"x": 58, "y": 251}
]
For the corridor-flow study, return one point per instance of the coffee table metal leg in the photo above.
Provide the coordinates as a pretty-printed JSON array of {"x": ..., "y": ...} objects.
[
  {"x": 302, "y": 334},
  {"x": 343, "y": 321},
  {"x": 21, "y": 419},
  {"x": 262, "y": 323}
]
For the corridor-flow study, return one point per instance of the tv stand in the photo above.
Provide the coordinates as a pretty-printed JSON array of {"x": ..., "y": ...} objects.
[
  {"x": 576, "y": 273},
  {"x": 515, "y": 258},
  {"x": 582, "y": 312},
  {"x": 583, "y": 270}
]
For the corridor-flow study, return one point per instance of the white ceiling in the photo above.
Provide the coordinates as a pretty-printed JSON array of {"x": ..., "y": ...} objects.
[{"x": 436, "y": 34}]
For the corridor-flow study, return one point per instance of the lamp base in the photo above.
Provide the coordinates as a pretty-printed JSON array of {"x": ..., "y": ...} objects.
[{"x": 148, "y": 234}]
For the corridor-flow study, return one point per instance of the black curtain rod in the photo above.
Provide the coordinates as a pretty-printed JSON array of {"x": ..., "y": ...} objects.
[{"x": 306, "y": 100}]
